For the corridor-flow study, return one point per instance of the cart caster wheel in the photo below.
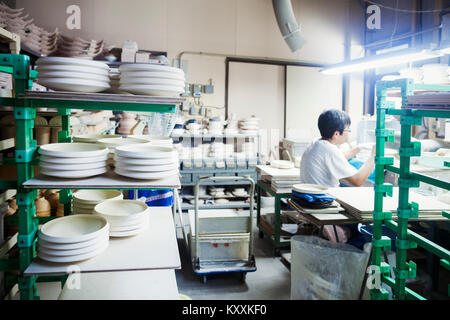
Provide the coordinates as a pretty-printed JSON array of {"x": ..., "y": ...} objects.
[
  {"x": 204, "y": 279},
  {"x": 242, "y": 276},
  {"x": 261, "y": 234}
]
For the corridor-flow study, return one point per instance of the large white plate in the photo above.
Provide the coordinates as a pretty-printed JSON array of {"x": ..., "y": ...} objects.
[
  {"x": 113, "y": 143},
  {"x": 69, "y": 167},
  {"x": 74, "y": 258},
  {"x": 74, "y": 228},
  {"x": 96, "y": 196},
  {"x": 146, "y": 162},
  {"x": 145, "y": 74},
  {"x": 73, "y": 150},
  {"x": 75, "y": 245},
  {"x": 92, "y": 138},
  {"x": 145, "y": 175},
  {"x": 140, "y": 168},
  {"x": 309, "y": 188},
  {"x": 72, "y": 252},
  {"x": 82, "y": 211},
  {"x": 74, "y": 85},
  {"x": 121, "y": 211},
  {"x": 78, "y": 75},
  {"x": 146, "y": 151},
  {"x": 71, "y": 61},
  {"x": 68, "y": 68},
  {"x": 152, "y": 90},
  {"x": 73, "y": 173},
  {"x": 133, "y": 67},
  {"x": 50, "y": 159},
  {"x": 152, "y": 81},
  {"x": 130, "y": 227},
  {"x": 127, "y": 233}
]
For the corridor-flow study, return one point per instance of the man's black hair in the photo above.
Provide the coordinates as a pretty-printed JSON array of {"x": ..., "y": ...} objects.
[{"x": 331, "y": 121}]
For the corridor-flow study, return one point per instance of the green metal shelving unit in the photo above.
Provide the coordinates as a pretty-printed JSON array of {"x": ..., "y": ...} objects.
[
  {"x": 406, "y": 239},
  {"x": 25, "y": 103}
]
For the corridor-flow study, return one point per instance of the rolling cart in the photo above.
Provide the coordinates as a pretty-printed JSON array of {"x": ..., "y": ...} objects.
[{"x": 222, "y": 243}]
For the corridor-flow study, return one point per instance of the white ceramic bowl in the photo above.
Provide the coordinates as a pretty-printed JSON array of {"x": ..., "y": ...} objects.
[
  {"x": 145, "y": 151},
  {"x": 73, "y": 252},
  {"x": 133, "y": 67},
  {"x": 71, "y": 61},
  {"x": 93, "y": 197},
  {"x": 73, "y": 150},
  {"x": 121, "y": 211},
  {"x": 120, "y": 234},
  {"x": 152, "y": 168},
  {"x": 309, "y": 188},
  {"x": 74, "y": 228},
  {"x": 113, "y": 143},
  {"x": 72, "y": 68},
  {"x": 72, "y": 173}
]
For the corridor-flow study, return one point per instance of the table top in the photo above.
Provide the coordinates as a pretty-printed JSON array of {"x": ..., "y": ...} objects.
[{"x": 154, "y": 248}]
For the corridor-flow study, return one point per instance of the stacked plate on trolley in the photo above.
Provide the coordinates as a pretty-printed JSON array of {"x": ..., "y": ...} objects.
[
  {"x": 70, "y": 74},
  {"x": 73, "y": 238},
  {"x": 84, "y": 201},
  {"x": 73, "y": 160},
  {"x": 126, "y": 217},
  {"x": 146, "y": 161},
  {"x": 151, "y": 79}
]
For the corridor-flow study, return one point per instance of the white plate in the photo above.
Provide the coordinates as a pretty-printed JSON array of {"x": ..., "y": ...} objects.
[
  {"x": 70, "y": 167},
  {"x": 73, "y": 150},
  {"x": 70, "y": 246},
  {"x": 236, "y": 194},
  {"x": 145, "y": 74},
  {"x": 113, "y": 143},
  {"x": 73, "y": 228},
  {"x": 50, "y": 159},
  {"x": 145, "y": 175},
  {"x": 120, "y": 212},
  {"x": 152, "y": 90},
  {"x": 153, "y": 168},
  {"x": 153, "y": 81},
  {"x": 74, "y": 85},
  {"x": 73, "y": 252},
  {"x": 133, "y": 67},
  {"x": 78, "y": 75},
  {"x": 132, "y": 227},
  {"x": 146, "y": 151},
  {"x": 71, "y": 62},
  {"x": 309, "y": 188},
  {"x": 131, "y": 222},
  {"x": 83, "y": 207},
  {"x": 96, "y": 196},
  {"x": 73, "y": 173},
  {"x": 282, "y": 164},
  {"x": 127, "y": 233},
  {"x": 145, "y": 162},
  {"x": 67, "y": 68},
  {"x": 74, "y": 258},
  {"x": 82, "y": 211},
  {"x": 92, "y": 138}
]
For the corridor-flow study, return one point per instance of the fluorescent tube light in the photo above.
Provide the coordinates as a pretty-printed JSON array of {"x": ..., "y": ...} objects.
[{"x": 395, "y": 58}]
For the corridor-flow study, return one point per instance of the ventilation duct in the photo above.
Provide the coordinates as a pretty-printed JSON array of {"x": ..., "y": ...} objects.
[{"x": 289, "y": 28}]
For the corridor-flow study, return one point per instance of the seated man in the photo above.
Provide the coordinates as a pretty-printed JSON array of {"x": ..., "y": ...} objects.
[{"x": 323, "y": 163}]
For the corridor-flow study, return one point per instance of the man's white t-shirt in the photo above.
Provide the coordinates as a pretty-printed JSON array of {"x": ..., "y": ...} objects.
[{"x": 323, "y": 163}]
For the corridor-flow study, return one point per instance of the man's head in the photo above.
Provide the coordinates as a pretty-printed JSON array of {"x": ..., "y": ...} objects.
[{"x": 332, "y": 124}]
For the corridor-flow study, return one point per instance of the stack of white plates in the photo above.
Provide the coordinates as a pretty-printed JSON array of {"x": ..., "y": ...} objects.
[
  {"x": 93, "y": 138},
  {"x": 113, "y": 143},
  {"x": 435, "y": 73},
  {"x": 72, "y": 160},
  {"x": 126, "y": 217},
  {"x": 146, "y": 161},
  {"x": 73, "y": 238},
  {"x": 151, "y": 79},
  {"x": 69, "y": 74},
  {"x": 249, "y": 125},
  {"x": 84, "y": 201}
]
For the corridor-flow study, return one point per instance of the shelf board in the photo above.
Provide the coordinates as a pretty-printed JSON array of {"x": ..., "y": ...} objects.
[
  {"x": 154, "y": 248},
  {"x": 109, "y": 180}
]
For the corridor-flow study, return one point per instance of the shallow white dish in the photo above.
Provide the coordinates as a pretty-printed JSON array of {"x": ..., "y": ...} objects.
[
  {"x": 70, "y": 68},
  {"x": 309, "y": 188},
  {"x": 50, "y": 159},
  {"x": 153, "y": 81},
  {"x": 152, "y": 90},
  {"x": 129, "y": 227},
  {"x": 146, "y": 151},
  {"x": 78, "y": 75},
  {"x": 73, "y": 258},
  {"x": 152, "y": 168},
  {"x": 70, "y": 166},
  {"x": 113, "y": 143},
  {"x": 73, "y": 252},
  {"x": 239, "y": 194},
  {"x": 73, "y": 150},
  {"x": 221, "y": 201},
  {"x": 82, "y": 211},
  {"x": 74, "y": 228},
  {"x": 133, "y": 67},
  {"x": 145, "y": 162},
  {"x": 145, "y": 175},
  {"x": 155, "y": 74},
  {"x": 282, "y": 164},
  {"x": 96, "y": 196},
  {"x": 119, "y": 212},
  {"x": 73, "y": 173},
  {"x": 74, "y": 84},
  {"x": 71, "y": 61},
  {"x": 75, "y": 245},
  {"x": 92, "y": 138},
  {"x": 127, "y": 233}
]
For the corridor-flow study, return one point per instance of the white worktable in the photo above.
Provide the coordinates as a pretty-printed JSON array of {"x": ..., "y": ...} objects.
[{"x": 154, "y": 248}]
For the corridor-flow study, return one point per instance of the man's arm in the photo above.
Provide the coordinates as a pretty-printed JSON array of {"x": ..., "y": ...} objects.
[
  {"x": 351, "y": 153},
  {"x": 364, "y": 172}
]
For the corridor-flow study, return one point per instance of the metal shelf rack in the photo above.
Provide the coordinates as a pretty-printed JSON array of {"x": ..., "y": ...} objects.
[
  {"x": 25, "y": 103},
  {"x": 406, "y": 239}
]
